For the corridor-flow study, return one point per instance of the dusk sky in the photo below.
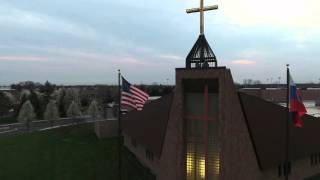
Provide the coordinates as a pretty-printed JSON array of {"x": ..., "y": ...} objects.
[{"x": 86, "y": 41}]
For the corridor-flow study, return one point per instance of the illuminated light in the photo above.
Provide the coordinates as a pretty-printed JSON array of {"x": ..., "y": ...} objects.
[
  {"x": 189, "y": 163},
  {"x": 216, "y": 166},
  {"x": 202, "y": 168}
]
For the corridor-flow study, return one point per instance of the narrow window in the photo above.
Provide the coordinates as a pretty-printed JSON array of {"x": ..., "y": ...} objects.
[
  {"x": 284, "y": 169},
  {"x": 201, "y": 102},
  {"x": 289, "y": 167},
  {"x": 149, "y": 155},
  {"x": 279, "y": 171}
]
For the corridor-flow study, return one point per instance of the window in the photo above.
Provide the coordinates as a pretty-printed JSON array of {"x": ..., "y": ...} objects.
[
  {"x": 149, "y": 155},
  {"x": 201, "y": 133},
  {"x": 279, "y": 170},
  {"x": 315, "y": 159},
  {"x": 282, "y": 170}
]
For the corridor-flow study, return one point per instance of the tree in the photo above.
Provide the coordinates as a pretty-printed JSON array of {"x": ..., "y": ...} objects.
[
  {"x": 35, "y": 99},
  {"x": 85, "y": 101},
  {"x": 26, "y": 85},
  {"x": 11, "y": 97},
  {"x": 55, "y": 95},
  {"x": 47, "y": 89},
  {"x": 93, "y": 109},
  {"x": 73, "y": 110},
  {"x": 24, "y": 96},
  {"x": 71, "y": 95},
  {"x": 26, "y": 114},
  {"x": 51, "y": 112},
  {"x": 5, "y": 104},
  {"x": 58, "y": 96}
]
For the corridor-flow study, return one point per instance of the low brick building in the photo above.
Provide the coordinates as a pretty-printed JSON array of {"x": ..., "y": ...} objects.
[{"x": 208, "y": 130}]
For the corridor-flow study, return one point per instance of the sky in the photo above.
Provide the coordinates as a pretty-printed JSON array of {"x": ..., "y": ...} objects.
[{"x": 86, "y": 41}]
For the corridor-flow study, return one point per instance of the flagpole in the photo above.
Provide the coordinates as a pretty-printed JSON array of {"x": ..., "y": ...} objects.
[
  {"x": 287, "y": 128},
  {"x": 119, "y": 126}
]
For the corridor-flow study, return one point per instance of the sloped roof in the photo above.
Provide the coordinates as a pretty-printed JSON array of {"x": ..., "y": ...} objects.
[
  {"x": 266, "y": 124},
  {"x": 148, "y": 127}
]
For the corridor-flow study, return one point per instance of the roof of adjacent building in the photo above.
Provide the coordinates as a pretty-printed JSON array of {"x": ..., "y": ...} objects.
[
  {"x": 266, "y": 123},
  {"x": 148, "y": 127}
]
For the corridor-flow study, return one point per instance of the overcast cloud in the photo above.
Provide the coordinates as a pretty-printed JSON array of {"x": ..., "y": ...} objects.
[{"x": 86, "y": 41}]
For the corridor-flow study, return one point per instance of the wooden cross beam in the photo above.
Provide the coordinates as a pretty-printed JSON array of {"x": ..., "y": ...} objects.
[{"x": 201, "y": 10}]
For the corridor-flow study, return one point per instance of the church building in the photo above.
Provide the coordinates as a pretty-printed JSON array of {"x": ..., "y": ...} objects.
[{"x": 207, "y": 130}]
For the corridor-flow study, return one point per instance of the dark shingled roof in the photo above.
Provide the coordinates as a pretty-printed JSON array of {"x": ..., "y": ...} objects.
[
  {"x": 266, "y": 124},
  {"x": 148, "y": 127}
]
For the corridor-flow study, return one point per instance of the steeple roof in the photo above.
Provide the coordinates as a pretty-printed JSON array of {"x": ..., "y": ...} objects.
[{"x": 201, "y": 55}]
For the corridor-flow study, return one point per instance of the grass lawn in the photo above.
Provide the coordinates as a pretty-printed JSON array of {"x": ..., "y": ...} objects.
[
  {"x": 61, "y": 154},
  {"x": 8, "y": 120}
]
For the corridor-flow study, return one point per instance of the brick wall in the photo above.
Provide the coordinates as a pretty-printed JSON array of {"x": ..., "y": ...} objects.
[
  {"x": 237, "y": 155},
  {"x": 140, "y": 152}
]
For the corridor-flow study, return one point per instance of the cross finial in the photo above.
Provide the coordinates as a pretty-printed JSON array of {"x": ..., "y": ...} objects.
[{"x": 201, "y": 10}]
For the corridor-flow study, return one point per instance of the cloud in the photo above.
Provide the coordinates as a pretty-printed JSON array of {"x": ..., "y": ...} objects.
[
  {"x": 251, "y": 53},
  {"x": 137, "y": 57},
  {"x": 171, "y": 57},
  {"x": 284, "y": 13},
  {"x": 243, "y": 62},
  {"x": 129, "y": 61},
  {"x": 11, "y": 16},
  {"x": 24, "y": 58}
]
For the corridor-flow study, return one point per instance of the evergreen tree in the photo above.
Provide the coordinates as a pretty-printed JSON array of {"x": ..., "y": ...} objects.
[
  {"x": 51, "y": 112},
  {"x": 58, "y": 96},
  {"x": 26, "y": 114},
  {"x": 37, "y": 105},
  {"x": 93, "y": 109},
  {"x": 47, "y": 89},
  {"x": 5, "y": 104},
  {"x": 24, "y": 96}
]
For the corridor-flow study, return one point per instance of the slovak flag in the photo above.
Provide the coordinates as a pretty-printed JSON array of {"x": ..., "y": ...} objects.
[{"x": 296, "y": 106}]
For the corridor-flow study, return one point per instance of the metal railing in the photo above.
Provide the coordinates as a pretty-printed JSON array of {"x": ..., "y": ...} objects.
[{"x": 14, "y": 128}]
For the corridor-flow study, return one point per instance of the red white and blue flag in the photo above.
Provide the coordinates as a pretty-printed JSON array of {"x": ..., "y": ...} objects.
[
  {"x": 296, "y": 106},
  {"x": 132, "y": 97}
]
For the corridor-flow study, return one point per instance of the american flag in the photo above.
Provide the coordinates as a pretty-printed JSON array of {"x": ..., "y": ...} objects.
[{"x": 132, "y": 96}]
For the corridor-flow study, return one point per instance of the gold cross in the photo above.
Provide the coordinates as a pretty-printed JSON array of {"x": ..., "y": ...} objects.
[{"x": 201, "y": 10}]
